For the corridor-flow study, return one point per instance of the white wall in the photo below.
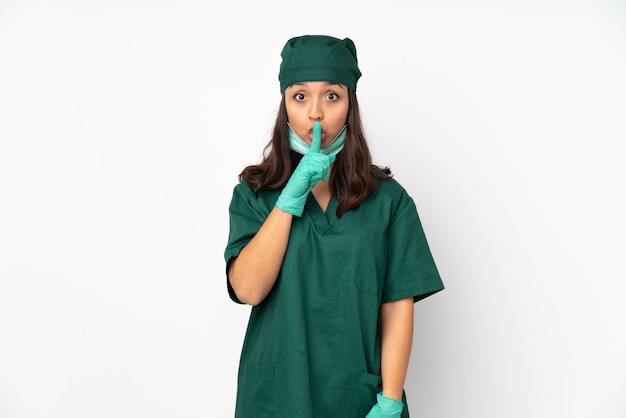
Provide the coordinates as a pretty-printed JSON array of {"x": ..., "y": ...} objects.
[{"x": 123, "y": 126}]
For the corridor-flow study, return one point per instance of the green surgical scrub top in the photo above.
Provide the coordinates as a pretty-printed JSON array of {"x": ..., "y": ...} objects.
[{"x": 313, "y": 346}]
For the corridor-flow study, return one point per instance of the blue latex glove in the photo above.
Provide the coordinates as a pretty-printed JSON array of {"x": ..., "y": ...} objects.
[
  {"x": 386, "y": 408},
  {"x": 313, "y": 167}
]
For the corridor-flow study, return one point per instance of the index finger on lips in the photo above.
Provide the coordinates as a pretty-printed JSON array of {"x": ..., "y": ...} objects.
[{"x": 316, "y": 142}]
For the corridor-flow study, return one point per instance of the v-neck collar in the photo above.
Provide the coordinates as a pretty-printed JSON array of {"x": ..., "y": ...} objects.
[{"x": 319, "y": 217}]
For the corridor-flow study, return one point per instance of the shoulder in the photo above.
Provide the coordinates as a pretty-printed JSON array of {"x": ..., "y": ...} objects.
[
  {"x": 389, "y": 199},
  {"x": 387, "y": 183},
  {"x": 246, "y": 195},
  {"x": 390, "y": 189},
  {"x": 243, "y": 187}
]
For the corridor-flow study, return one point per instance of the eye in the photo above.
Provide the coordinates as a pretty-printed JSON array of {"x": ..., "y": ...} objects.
[
  {"x": 332, "y": 96},
  {"x": 298, "y": 97}
]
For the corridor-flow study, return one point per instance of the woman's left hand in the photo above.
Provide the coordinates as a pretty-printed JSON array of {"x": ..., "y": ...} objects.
[{"x": 386, "y": 408}]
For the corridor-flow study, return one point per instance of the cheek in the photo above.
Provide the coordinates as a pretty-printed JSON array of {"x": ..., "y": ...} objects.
[
  {"x": 344, "y": 113},
  {"x": 341, "y": 118},
  {"x": 295, "y": 121},
  {"x": 294, "y": 117}
]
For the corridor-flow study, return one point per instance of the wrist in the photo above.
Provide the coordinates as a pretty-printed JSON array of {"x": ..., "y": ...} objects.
[
  {"x": 290, "y": 205},
  {"x": 393, "y": 394}
]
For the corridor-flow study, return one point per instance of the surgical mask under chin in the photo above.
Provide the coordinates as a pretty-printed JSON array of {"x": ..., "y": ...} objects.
[{"x": 301, "y": 147}]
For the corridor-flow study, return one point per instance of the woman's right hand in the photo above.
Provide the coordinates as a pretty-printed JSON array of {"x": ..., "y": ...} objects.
[
  {"x": 253, "y": 273},
  {"x": 313, "y": 167}
]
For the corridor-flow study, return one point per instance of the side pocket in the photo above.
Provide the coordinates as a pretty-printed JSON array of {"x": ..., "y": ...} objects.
[
  {"x": 364, "y": 396},
  {"x": 255, "y": 392}
]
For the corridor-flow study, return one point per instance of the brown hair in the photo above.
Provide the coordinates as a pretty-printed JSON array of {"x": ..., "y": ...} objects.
[{"x": 353, "y": 176}]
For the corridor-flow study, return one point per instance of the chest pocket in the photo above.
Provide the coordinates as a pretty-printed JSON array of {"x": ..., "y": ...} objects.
[{"x": 370, "y": 262}]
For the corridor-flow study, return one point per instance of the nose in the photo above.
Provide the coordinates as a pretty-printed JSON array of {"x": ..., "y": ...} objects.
[{"x": 315, "y": 110}]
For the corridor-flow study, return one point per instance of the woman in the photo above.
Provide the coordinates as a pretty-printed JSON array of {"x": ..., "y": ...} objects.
[{"x": 329, "y": 250}]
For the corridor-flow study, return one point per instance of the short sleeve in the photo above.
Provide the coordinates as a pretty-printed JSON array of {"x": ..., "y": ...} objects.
[
  {"x": 247, "y": 212},
  {"x": 411, "y": 269}
]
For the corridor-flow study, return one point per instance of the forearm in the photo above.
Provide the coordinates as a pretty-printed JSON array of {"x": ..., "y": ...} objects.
[
  {"x": 253, "y": 273},
  {"x": 397, "y": 338}
]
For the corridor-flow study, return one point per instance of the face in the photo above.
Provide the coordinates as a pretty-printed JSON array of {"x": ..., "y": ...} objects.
[{"x": 314, "y": 101}]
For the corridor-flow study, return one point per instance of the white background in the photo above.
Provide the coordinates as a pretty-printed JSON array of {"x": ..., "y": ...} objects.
[{"x": 124, "y": 124}]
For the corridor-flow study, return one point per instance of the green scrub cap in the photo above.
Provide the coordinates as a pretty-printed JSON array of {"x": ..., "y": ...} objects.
[{"x": 318, "y": 58}]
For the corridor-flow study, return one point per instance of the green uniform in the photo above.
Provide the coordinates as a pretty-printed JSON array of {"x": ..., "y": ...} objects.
[{"x": 313, "y": 348}]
